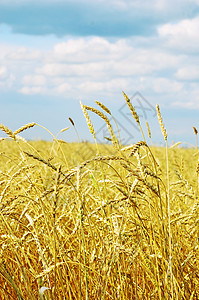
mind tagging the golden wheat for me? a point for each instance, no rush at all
(104, 117)
(164, 133)
(148, 128)
(132, 109)
(97, 228)
(29, 125)
(103, 107)
(7, 131)
(89, 123)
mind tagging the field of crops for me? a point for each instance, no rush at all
(85, 221)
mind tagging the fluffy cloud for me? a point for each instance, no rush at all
(6, 78)
(34, 80)
(3, 73)
(98, 58)
(27, 90)
(93, 49)
(95, 66)
(24, 54)
(188, 73)
(165, 85)
(182, 36)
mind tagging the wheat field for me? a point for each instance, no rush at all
(116, 222)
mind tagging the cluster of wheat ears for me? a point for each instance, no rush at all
(119, 226)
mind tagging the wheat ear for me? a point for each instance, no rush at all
(29, 125)
(88, 120)
(103, 107)
(195, 130)
(133, 112)
(72, 122)
(99, 113)
(148, 128)
(109, 112)
(134, 147)
(104, 117)
(164, 133)
(132, 109)
(41, 160)
(7, 131)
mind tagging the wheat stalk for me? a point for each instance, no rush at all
(72, 122)
(170, 259)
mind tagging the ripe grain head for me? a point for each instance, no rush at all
(88, 120)
(164, 133)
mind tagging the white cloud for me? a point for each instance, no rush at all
(3, 73)
(6, 78)
(183, 35)
(195, 1)
(63, 88)
(188, 73)
(92, 67)
(88, 50)
(114, 86)
(31, 90)
(185, 28)
(164, 85)
(34, 80)
(24, 54)
(99, 59)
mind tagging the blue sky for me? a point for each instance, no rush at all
(55, 53)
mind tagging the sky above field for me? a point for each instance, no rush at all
(54, 54)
